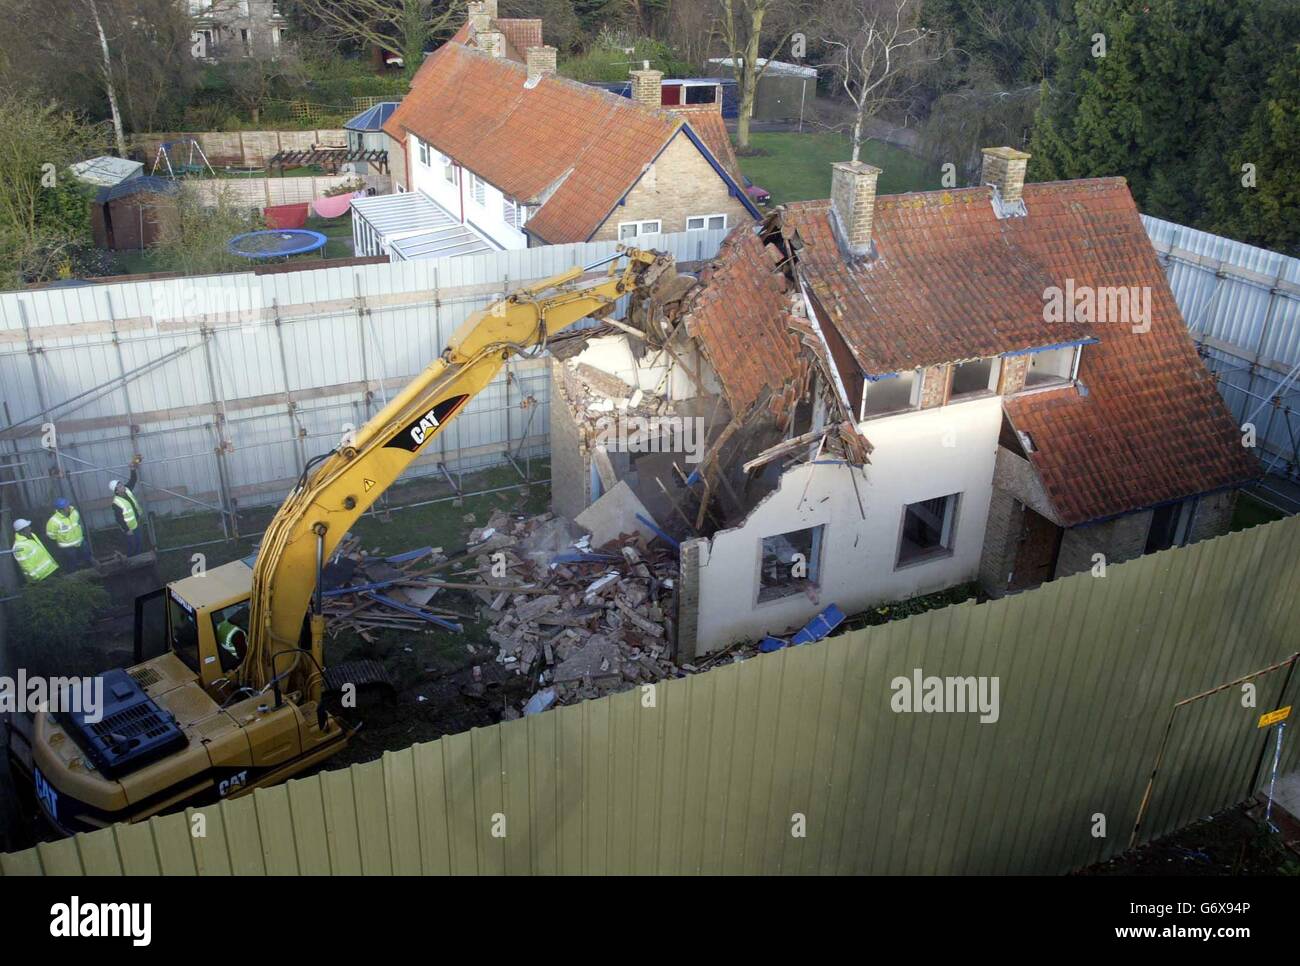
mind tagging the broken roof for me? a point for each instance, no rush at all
(568, 147)
(950, 281)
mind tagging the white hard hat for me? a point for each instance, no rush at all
(112, 486)
(21, 524)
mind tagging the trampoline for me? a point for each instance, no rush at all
(275, 243)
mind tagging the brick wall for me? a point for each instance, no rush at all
(1213, 515)
(570, 469)
(680, 184)
(934, 388)
(1012, 378)
(1121, 539)
(1001, 540)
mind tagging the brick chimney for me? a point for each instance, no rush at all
(853, 200)
(541, 63)
(1004, 169)
(491, 42)
(646, 84)
(479, 17)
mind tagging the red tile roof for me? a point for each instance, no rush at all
(592, 144)
(951, 281)
(741, 318)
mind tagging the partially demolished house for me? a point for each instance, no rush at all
(901, 394)
(491, 135)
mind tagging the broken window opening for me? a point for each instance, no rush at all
(979, 377)
(928, 529)
(790, 563)
(892, 394)
(1051, 367)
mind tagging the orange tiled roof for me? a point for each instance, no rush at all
(741, 317)
(574, 149)
(951, 281)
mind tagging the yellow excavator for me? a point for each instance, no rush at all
(238, 698)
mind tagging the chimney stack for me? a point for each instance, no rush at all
(541, 63)
(491, 41)
(1004, 169)
(479, 17)
(853, 200)
(646, 85)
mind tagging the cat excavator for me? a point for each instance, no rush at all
(238, 696)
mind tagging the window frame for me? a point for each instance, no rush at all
(477, 190)
(706, 219)
(991, 389)
(1069, 378)
(948, 529)
(913, 396)
(796, 586)
(424, 152)
(640, 228)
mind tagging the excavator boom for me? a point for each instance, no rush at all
(337, 488)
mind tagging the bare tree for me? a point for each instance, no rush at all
(254, 79)
(875, 47)
(109, 88)
(749, 27)
(402, 26)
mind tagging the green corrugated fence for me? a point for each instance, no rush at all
(796, 762)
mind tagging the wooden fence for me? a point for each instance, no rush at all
(240, 147)
(796, 761)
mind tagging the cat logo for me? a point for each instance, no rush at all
(368, 484)
(420, 430)
(233, 783)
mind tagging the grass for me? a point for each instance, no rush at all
(338, 244)
(797, 167)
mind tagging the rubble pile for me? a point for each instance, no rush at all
(581, 621)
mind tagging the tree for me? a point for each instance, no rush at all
(255, 79)
(749, 27)
(876, 47)
(405, 27)
(43, 211)
(194, 242)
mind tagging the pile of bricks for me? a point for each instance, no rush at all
(580, 622)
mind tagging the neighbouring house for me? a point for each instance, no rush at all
(225, 29)
(528, 158)
(365, 133)
(134, 215)
(901, 394)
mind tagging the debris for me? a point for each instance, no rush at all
(540, 701)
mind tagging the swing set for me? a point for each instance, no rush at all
(191, 165)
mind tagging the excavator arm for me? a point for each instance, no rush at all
(336, 488)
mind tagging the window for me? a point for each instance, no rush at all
(277, 36)
(184, 632)
(702, 222)
(449, 171)
(230, 631)
(243, 8)
(892, 394)
(631, 229)
(246, 38)
(790, 563)
(477, 189)
(974, 378)
(424, 152)
(509, 211)
(1051, 367)
(927, 529)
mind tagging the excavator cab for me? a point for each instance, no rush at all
(203, 621)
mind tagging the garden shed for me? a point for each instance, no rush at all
(133, 215)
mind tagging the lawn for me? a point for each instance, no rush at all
(796, 167)
(338, 244)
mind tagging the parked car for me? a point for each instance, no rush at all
(759, 196)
